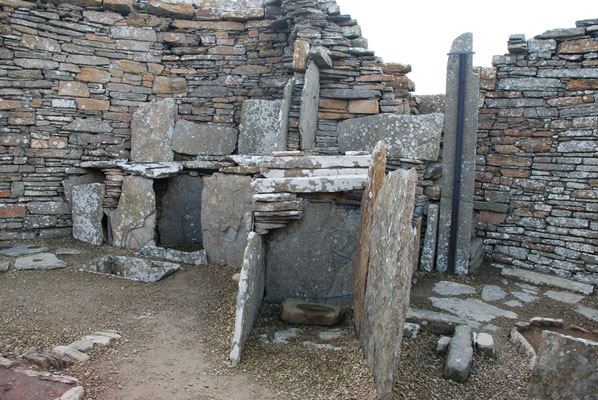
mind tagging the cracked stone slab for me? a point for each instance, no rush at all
(17, 250)
(87, 212)
(539, 279)
(493, 293)
(565, 297)
(39, 261)
(448, 288)
(471, 308)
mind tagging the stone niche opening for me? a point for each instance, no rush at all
(178, 206)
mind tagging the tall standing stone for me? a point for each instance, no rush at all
(262, 128)
(133, 221)
(251, 293)
(152, 128)
(389, 278)
(310, 98)
(180, 221)
(376, 174)
(429, 250)
(88, 212)
(226, 218)
(463, 44)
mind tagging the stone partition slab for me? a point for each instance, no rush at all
(152, 128)
(204, 139)
(261, 129)
(390, 268)
(414, 137)
(226, 218)
(251, 293)
(88, 213)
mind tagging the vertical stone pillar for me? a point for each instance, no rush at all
(461, 45)
(310, 101)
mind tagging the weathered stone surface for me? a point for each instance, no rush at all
(389, 278)
(203, 139)
(301, 312)
(565, 297)
(364, 107)
(350, 94)
(180, 221)
(300, 55)
(39, 261)
(539, 279)
(18, 250)
(310, 97)
(484, 344)
(152, 128)
(376, 174)
(76, 393)
(565, 368)
(133, 221)
(88, 212)
(493, 293)
(102, 17)
(73, 88)
(442, 345)
(429, 250)
(466, 179)
(261, 129)
(136, 269)
(172, 9)
(460, 353)
(69, 183)
(82, 345)
(4, 265)
(588, 312)
(71, 353)
(133, 33)
(226, 218)
(311, 257)
(89, 125)
(448, 288)
(314, 184)
(438, 323)
(100, 340)
(471, 308)
(306, 162)
(414, 137)
(251, 293)
(120, 6)
(321, 56)
(173, 255)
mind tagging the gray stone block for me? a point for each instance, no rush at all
(69, 183)
(39, 261)
(180, 221)
(415, 137)
(310, 98)
(204, 139)
(87, 213)
(460, 354)
(430, 238)
(152, 128)
(261, 129)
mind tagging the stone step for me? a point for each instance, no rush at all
(539, 279)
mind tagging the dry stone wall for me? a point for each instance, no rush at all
(536, 196)
(73, 73)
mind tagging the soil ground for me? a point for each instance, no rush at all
(177, 334)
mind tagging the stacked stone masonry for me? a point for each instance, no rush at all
(536, 196)
(72, 75)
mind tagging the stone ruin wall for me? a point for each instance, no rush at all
(536, 195)
(72, 75)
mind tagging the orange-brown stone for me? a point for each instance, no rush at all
(73, 88)
(92, 104)
(364, 106)
(12, 210)
(94, 75)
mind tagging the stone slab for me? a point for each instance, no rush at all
(18, 250)
(389, 278)
(310, 98)
(304, 162)
(204, 139)
(565, 368)
(39, 261)
(4, 265)
(468, 159)
(438, 323)
(539, 279)
(319, 184)
(524, 297)
(448, 288)
(493, 293)
(588, 312)
(69, 183)
(133, 268)
(429, 249)
(415, 137)
(226, 218)
(301, 312)
(460, 355)
(133, 221)
(152, 129)
(376, 174)
(471, 309)
(71, 353)
(261, 129)
(82, 345)
(180, 221)
(251, 293)
(87, 212)
(173, 255)
(564, 297)
(311, 258)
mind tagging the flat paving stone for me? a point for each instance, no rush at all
(437, 322)
(18, 250)
(39, 261)
(67, 251)
(493, 293)
(565, 297)
(527, 288)
(513, 303)
(588, 312)
(471, 308)
(539, 279)
(524, 297)
(448, 288)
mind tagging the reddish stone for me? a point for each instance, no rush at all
(12, 210)
(5, 193)
(364, 106)
(583, 84)
(503, 160)
(92, 104)
(89, 74)
(9, 104)
(578, 46)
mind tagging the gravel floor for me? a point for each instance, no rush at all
(176, 339)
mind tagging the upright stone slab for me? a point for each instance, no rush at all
(251, 293)
(69, 183)
(415, 137)
(429, 250)
(133, 221)
(389, 278)
(262, 127)
(311, 258)
(87, 212)
(204, 139)
(566, 368)
(310, 99)
(376, 174)
(152, 128)
(463, 43)
(180, 222)
(226, 218)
